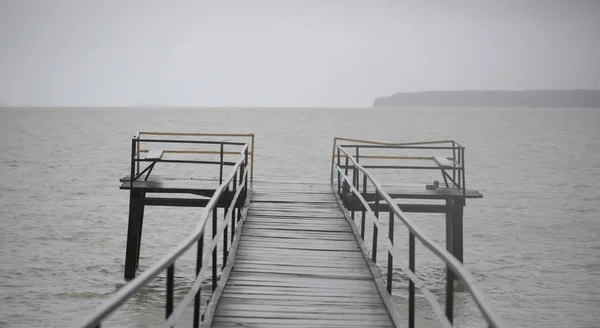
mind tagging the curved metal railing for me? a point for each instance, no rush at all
(239, 179)
(454, 269)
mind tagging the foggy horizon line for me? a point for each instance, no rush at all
(142, 104)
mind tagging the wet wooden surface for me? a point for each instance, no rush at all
(299, 265)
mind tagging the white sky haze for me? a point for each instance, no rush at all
(288, 53)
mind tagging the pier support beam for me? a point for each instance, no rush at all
(454, 228)
(134, 233)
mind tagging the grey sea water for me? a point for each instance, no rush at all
(532, 242)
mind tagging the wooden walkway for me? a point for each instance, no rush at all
(298, 264)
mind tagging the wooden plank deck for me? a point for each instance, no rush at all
(298, 264)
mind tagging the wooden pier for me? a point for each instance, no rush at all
(294, 253)
(299, 264)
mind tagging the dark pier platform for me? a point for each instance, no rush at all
(295, 254)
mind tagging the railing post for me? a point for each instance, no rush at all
(235, 207)
(364, 212)
(355, 184)
(221, 166)
(170, 286)
(225, 238)
(198, 268)
(462, 167)
(464, 181)
(243, 192)
(214, 254)
(339, 175)
(133, 162)
(375, 229)
(454, 159)
(245, 169)
(345, 189)
(390, 265)
(411, 284)
(252, 162)
(137, 152)
(449, 294)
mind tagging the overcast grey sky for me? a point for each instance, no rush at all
(287, 53)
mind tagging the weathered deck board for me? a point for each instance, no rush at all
(298, 264)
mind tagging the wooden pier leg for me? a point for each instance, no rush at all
(141, 220)
(136, 210)
(454, 229)
(457, 230)
(449, 247)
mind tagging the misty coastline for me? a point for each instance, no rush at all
(489, 98)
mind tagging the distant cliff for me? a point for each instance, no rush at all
(532, 98)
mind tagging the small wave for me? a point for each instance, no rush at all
(585, 210)
(591, 199)
(581, 186)
(82, 295)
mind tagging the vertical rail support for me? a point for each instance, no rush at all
(221, 166)
(390, 264)
(225, 237)
(214, 253)
(411, 284)
(339, 175)
(199, 255)
(454, 160)
(464, 181)
(355, 182)
(246, 168)
(242, 193)
(252, 162)
(375, 229)
(137, 153)
(357, 161)
(134, 160)
(170, 287)
(346, 188)
(134, 233)
(449, 294)
(364, 212)
(235, 207)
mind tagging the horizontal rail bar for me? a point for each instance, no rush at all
(393, 157)
(192, 142)
(401, 147)
(407, 167)
(203, 152)
(182, 161)
(395, 143)
(185, 134)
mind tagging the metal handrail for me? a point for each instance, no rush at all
(453, 265)
(167, 261)
(453, 176)
(193, 134)
(371, 142)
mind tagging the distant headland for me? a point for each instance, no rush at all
(489, 98)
